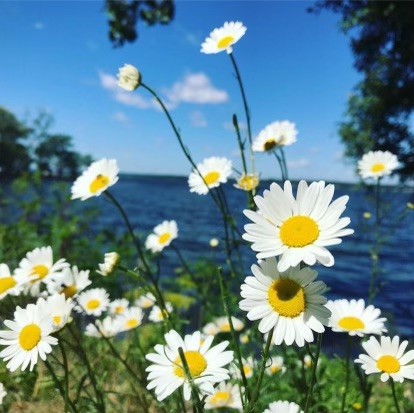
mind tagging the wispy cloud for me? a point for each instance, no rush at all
(298, 164)
(197, 119)
(120, 117)
(39, 26)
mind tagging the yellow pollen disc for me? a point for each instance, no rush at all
(132, 323)
(69, 291)
(225, 42)
(93, 304)
(164, 238)
(351, 324)
(6, 283)
(248, 182)
(195, 361)
(212, 177)
(299, 231)
(99, 183)
(119, 310)
(247, 370)
(270, 144)
(378, 167)
(388, 364)
(221, 398)
(275, 369)
(29, 337)
(287, 298)
(40, 271)
(57, 319)
(225, 328)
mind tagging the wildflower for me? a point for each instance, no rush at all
(214, 242)
(291, 303)
(214, 171)
(367, 215)
(28, 338)
(110, 262)
(3, 393)
(283, 407)
(277, 366)
(247, 182)
(118, 306)
(244, 338)
(387, 357)
(93, 302)
(205, 364)
(108, 327)
(211, 329)
(59, 309)
(307, 361)
(223, 38)
(130, 318)
(410, 205)
(96, 179)
(357, 406)
(70, 282)
(9, 284)
(297, 229)
(275, 135)
(162, 236)
(129, 78)
(38, 265)
(145, 301)
(224, 326)
(248, 365)
(376, 164)
(157, 315)
(225, 395)
(353, 318)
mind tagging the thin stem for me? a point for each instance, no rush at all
(182, 260)
(280, 161)
(284, 163)
(65, 366)
(394, 395)
(313, 374)
(347, 372)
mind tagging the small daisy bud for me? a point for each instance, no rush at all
(214, 242)
(129, 78)
(357, 407)
(111, 261)
(367, 215)
(410, 205)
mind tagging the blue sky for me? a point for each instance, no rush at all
(296, 66)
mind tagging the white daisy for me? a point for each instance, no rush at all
(249, 366)
(38, 265)
(145, 301)
(290, 302)
(244, 338)
(353, 318)
(214, 171)
(205, 364)
(376, 164)
(162, 236)
(157, 315)
(225, 395)
(28, 338)
(283, 407)
(297, 229)
(224, 326)
(276, 366)
(99, 176)
(247, 182)
(129, 77)
(59, 309)
(387, 357)
(11, 284)
(3, 393)
(275, 135)
(214, 242)
(130, 318)
(93, 302)
(223, 38)
(111, 261)
(70, 282)
(118, 306)
(108, 327)
(211, 329)
(307, 362)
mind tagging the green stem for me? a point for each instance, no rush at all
(284, 163)
(394, 395)
(313, 374)
(282, 169)
(347, 372)
(65, 366)
(182, 260)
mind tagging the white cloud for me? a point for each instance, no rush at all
(298, 164)
(197, 119)
(39, 26)
(120, 117)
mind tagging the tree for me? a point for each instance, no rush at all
(381, 107)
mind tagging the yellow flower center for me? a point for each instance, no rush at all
(69, 291)
(29, 336)
(299, 231)
(93, 304)
(221, 398)
(248, 182)
(225, 42)
(119, 309)
(378, 167)
(247, 370)
(287, 298)
(225, 328)
(270, 144)
(211, 178)
(351, 324)
(132, 323)
(99, 183)
(388, 364)
(275, 369)
(57, 319)
(164, 238)
(6, 283)
(195, 361)
(41, 271)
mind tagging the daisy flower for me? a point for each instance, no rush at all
(211, 329)
(145, 301)
(111, 261)
(96, 179)
(244, 338)
(59, 309)
(205, 364)
(70, 282)
(28, 338)
(297, 229)
(3, 393)
(130, 318)
(249, 365)
(247, 182)
(276, 366)
(157, 315)
(291, 303)
(38, 265)
(225, 395)
(307, 361)
(387, 358)
(9, 284)
(118, 306)
(275, 135)
(214, 242)
(93, 302)
(283, 407)
(129, 77)
(223, 38)
(214, 171)
(108, 327)
(353, 318)
(224, 326)
(162, 236)
(376, 164)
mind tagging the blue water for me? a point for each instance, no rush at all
(149, 200)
